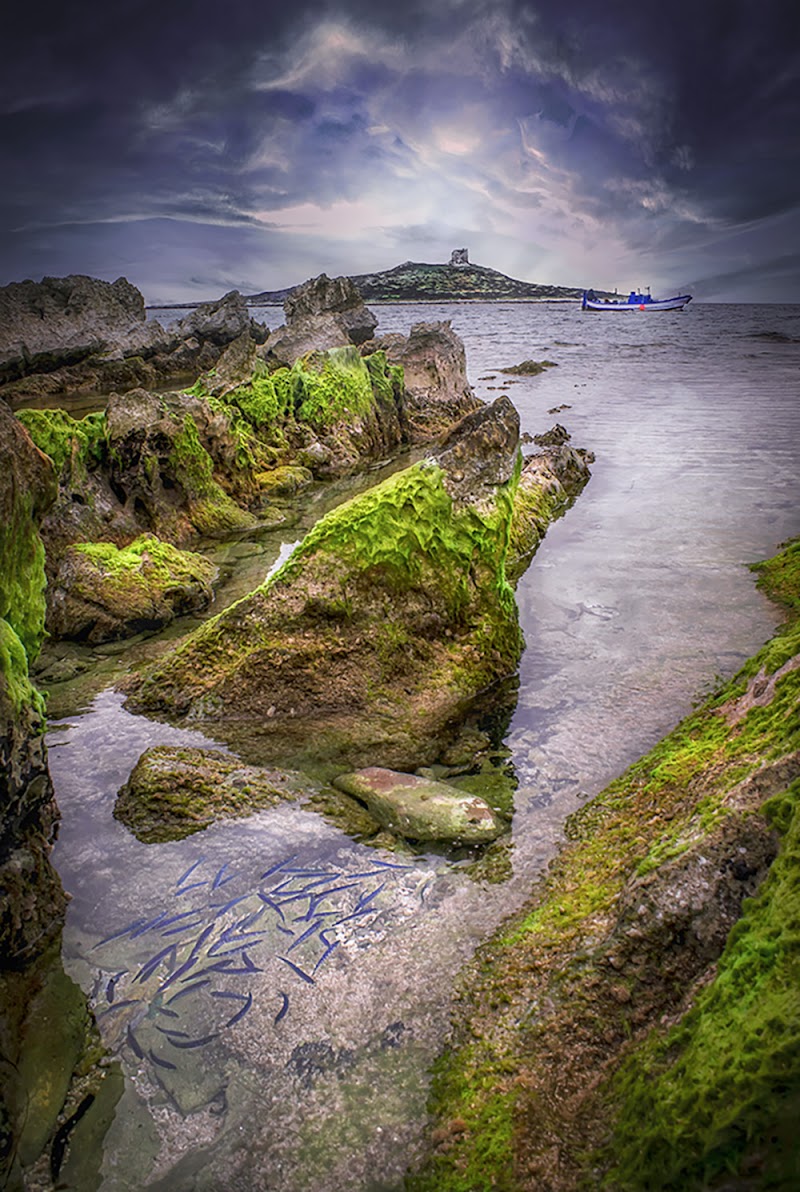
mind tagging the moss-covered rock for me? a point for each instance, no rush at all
(173, 791)
(31, 899)
(636, 1025)
(528, 368)
(386, 622)
(104, 592)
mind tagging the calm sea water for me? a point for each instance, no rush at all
(304, 1064)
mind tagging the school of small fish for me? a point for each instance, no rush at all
(205, 952)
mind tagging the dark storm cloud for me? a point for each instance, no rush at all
(558, 135)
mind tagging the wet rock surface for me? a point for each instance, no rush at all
(173, 792)
(387, 621)
(422, 808)
(103, 592)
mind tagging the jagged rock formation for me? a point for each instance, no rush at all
(384, 625)
(434, 363)
(76, 333)
(320, 314)
(44, 1026)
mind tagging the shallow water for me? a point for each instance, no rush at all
(637, 601)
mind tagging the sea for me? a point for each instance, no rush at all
(274, 992)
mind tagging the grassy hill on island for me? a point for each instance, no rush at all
(415, 281)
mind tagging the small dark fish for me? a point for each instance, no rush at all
(358, 913)
(365, 898)
(119, 934)
(217, 880)
(278, 865)
(270, 903)
(134, 1042)
(309, 931)
(285, 930)
(112, 984)
(186, 889)
(252, 918)
(222, 966)
(194, 1042)
(131, 1001)
(249, 966)
(325, 954)
(176, 918)
(188, 989)
(201, 939)
(148, 925)
(221, 908)
(183, 927)
(241, 1013)
(189, 871)
(179, 972)
(160, 1062)
(390, 864)
(152, 964)
(164, 1010)
(310, 873)
(171, 1033)
(284, 1007)
(304, 976)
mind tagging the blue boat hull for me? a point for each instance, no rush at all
(639, 302)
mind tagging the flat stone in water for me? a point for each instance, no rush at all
(422, 808)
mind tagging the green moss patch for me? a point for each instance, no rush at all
(77, 441)
(14, 670)
(725, 1083)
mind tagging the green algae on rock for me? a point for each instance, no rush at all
(637, 1024)
(422, 808)
(103, 592)
(389, 618)
(175, 791)
(528, 368)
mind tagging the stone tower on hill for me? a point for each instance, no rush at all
(459, 256)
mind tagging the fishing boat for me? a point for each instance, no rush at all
(634, 301)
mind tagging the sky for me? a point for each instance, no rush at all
(211, 145)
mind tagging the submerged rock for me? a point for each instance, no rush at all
(422, 808)
(387, 621)
(103, 592)
(175, 791)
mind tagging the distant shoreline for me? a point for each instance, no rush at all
(381, 302)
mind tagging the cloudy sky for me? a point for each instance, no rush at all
(217, 144)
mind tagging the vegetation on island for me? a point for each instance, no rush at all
(637, 1024)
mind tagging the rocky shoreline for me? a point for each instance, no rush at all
(359, 665)
(637, 1023)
